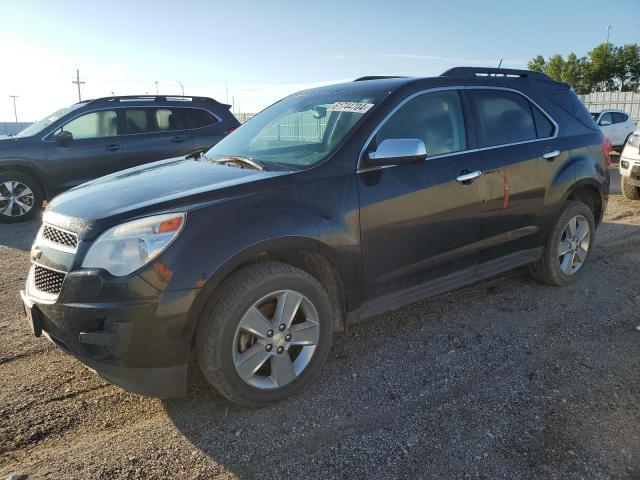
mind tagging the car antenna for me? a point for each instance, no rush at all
(500, 64)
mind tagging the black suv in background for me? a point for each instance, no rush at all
(97, 137)
(331, 206)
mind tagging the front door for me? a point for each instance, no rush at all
(418, 222)
(94, 151)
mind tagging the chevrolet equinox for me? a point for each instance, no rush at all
(333, 205)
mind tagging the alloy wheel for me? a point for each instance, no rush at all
(276, 339)
(574, 245)
(16, 199)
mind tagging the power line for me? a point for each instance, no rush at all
(15, 112)
(78, 83)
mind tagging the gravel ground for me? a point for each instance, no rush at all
(504, 379)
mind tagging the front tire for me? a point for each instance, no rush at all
(629, 191)
(568, 247)
(265, 334)
(21, 197)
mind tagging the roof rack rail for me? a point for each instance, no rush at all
(377, 77)
(153, 98)
(493, 72)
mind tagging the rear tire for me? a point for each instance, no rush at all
(21, 197)
(629, 191)
(250, 358)
(567, 249)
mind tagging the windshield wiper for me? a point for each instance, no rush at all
(240, 161)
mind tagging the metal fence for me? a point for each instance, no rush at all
(627, 101)
(243, 117)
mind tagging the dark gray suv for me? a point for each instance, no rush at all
(94, 138)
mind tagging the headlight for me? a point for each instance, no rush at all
(125, 248)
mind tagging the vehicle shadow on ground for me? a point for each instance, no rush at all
(19, 236)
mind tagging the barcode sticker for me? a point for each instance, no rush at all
(353, 107)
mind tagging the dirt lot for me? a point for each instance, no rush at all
(504, 379)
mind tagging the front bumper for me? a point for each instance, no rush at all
(139, 344)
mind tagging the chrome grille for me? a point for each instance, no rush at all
(60, 237)
(48, 281)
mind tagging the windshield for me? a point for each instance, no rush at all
(298, 131)
(48, 120)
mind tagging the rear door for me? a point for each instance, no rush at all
(96, 149)
(154, 133)
(418, 223)
(513, 135)
(207, 129)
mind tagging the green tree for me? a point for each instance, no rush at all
(537, 64)
(627, 67)
(600, 69)
(606, 67)
(554, 67)
(573, 73)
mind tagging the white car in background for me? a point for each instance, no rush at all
(630, 167)
(616, 125)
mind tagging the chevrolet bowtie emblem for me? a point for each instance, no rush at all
(35, 253)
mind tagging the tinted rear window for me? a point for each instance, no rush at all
(136, 121)
(502, 117)
(196, 118)
(619, 117)
(570, 103)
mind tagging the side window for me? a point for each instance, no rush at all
(196, 118)
(606, 119)
(619, 117)
(502, 117)
(544, 127)
(166, 120)
(103, 123)
(136, 121)
(436, 118)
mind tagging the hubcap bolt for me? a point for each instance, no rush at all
(282, 327)
(270, 333)
(280, 349)
(288, 337)
(269, 347)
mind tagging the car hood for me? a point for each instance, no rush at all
(166, 185)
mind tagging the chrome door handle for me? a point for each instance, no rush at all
(551, 155)
(467, 177)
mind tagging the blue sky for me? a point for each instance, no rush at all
(263, 50)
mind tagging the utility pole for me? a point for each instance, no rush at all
(608, 29)
(181, 86)
(156, 87)
(15, 112)
(78, 83)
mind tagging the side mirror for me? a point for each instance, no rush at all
(604, 123)
(394, 151)
(64, 138)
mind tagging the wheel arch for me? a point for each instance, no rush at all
(31, 170)
(309, 255)
(588, 192)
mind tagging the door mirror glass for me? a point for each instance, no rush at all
(604, 122)
(393, 151)
(64, 138)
